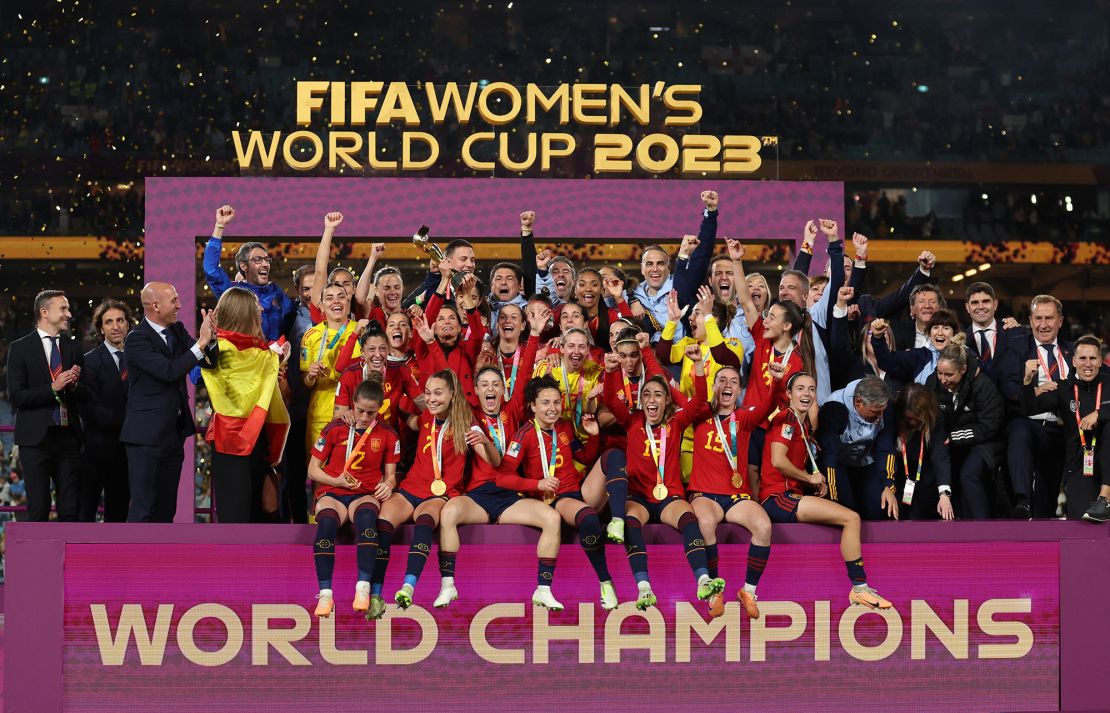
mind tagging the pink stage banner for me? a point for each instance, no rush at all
(221, 627)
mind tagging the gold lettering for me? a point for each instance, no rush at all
(263, 637)
(654, 642)
(364, 96)
(670, 153)
(309, 99)
(640, 110)
(333, 654)
(407, 162)
(451, 96)
(256, 143)
(870, 653)
(478, 640)
(397, 105)
(534, 97)
(922, 618)
(549, 151)
(582, 632)
(488, 114)
(317, 153)
(471, 162)
(611, 153)
(692, 107)
(113, 649)
(583, 103)
(337, 151)
(688, 620)
(220, 656)
(1023, 635)
(762, 633)
(384, 653)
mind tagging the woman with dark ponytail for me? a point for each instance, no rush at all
(918, 472)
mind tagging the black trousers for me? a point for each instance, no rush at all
(237, 485)
(1036, 459)
(105, 472)
(56, 459)
(294, 496)
(972, 476)
(154, 472)
(925, 498)
(860, 489)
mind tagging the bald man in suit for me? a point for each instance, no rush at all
(160, 353)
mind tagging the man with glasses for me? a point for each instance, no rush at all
(254, 264)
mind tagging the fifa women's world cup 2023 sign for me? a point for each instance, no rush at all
(355, 111)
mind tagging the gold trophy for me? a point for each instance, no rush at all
(420, 240)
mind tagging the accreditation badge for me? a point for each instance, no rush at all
(1089, 462)
(907, 492)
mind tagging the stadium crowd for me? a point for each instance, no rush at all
(546, 393)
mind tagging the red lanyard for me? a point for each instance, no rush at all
(1082, 433)
(920, 456)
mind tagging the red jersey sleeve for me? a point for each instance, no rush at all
(348, 383)
(519, 452)
(609, 398)
(346, 357)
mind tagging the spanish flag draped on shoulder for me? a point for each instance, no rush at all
(245, 398)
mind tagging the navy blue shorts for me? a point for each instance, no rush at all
(417, 502)
(494, 500)
(782, 507)
(655, 509)
(346, 498)
(725, 501)
(755, 447)
(572, 495)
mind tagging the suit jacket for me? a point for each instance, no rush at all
(103, 411)
(158, 411)
(1013, 369)
(905, 334)
(1008, 341)
(29, 387)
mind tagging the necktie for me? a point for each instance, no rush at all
(122, 366)
(1053, 366)
(55, 372)
(984, 345)
(169, 338)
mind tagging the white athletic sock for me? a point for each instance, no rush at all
(703, 579)
(446, 582)
(749, 588)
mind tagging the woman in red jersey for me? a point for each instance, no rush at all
(790, 467)
(718, 490)
(654, 474)
(354, 468)
(486, 501)
(547, 458)
(400, 392)
(437, 472)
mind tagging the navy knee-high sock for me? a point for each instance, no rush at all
(589, 534)
(323, 547)
(695, 545)
(447, 563)
(366, 518)
(545, 571)
(381, 562)
(855, 572)
(635, 548)
(421, 547)
(616, 482)
(712, 559)
(757, 562)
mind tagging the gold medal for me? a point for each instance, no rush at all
(737, 481)
(659, 492)
(438, 487)
(548, 498)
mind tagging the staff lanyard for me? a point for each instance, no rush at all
(920, 457)
(1059, 363)
(324, 345)
(1082, 433)
(633, 405)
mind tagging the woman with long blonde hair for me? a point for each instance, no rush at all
(249, 421)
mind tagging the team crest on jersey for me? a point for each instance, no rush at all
(787, 431)
(514, 448)
(321, 442)
(376, 445)
(564, 439)
(1072, 406)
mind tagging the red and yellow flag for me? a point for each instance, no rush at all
(245, 398)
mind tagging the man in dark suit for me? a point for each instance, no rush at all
(44, 369)
(105, 375)
(991, 339)
(1036, 441)
(924, 301)
(159, 418)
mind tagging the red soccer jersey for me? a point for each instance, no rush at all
(419, 479)
(641, 465)
(760, 382)
(398, 383)
(382, 447)
(712, 472)
(499, 430)
(785, 429)
(522, 466)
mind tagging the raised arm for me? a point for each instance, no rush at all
(694, 253)
(214, 275)
(891, 304)
(804, 257)
(323, 252)
(528, 252)
(364, 290)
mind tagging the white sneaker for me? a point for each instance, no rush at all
(615, 530)
(542, 597)
(447, 594)
(609, 599)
